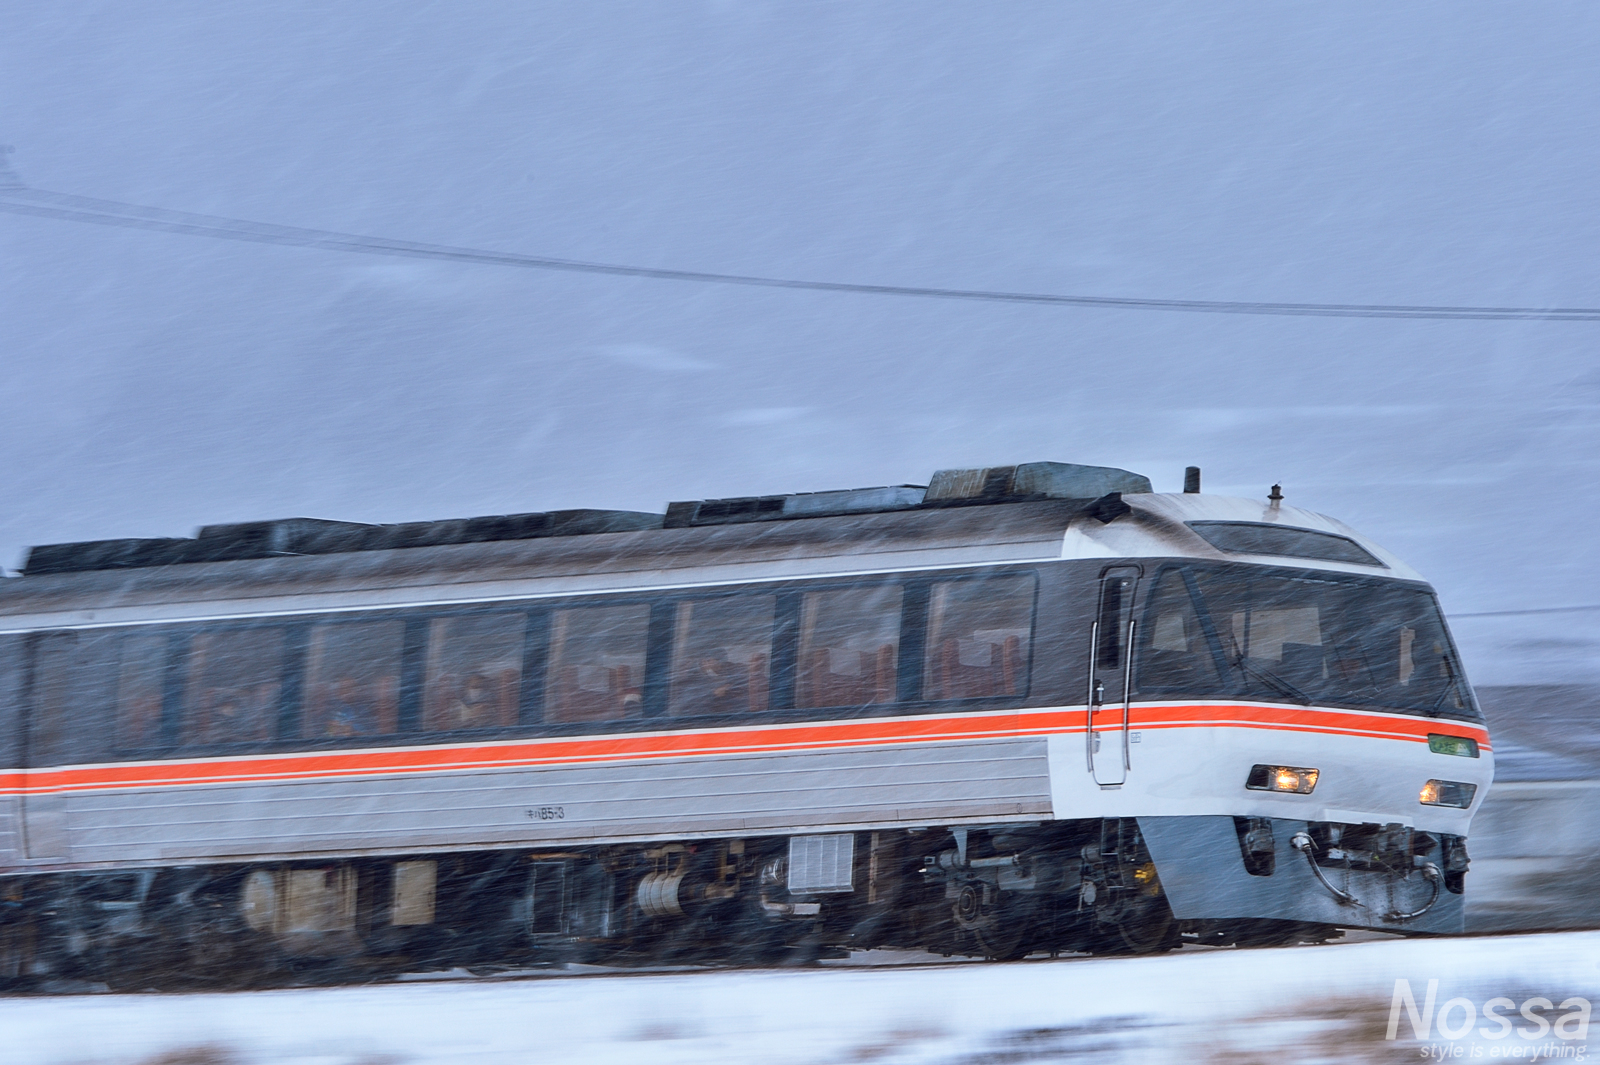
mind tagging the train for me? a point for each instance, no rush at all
(1022, 709)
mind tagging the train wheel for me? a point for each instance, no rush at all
(1013, 933)
(1140, 923)
(1151, 931)
(1002, 925)
(16, 942)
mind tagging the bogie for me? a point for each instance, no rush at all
(999, 893)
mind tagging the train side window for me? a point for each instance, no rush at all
(474, 671)
(1174, 653)
(353, 678)
(55, 666)
(849, 646)
(722, 653)
(13, 665)
(596, 670)
(141, 689)
(235, 681)
(979, 632)
(1116, 606)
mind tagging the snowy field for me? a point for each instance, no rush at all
(1308, 1004)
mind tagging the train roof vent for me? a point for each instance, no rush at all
(269, 539)
(1032, 480)
(509, 527)
(101, 554)
(798, 505)
(315, 536)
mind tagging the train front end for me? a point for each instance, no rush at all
(1276, 703)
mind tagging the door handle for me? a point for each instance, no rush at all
(1127, 698)
(1096, 690)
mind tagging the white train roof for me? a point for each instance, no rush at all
(1159, 525)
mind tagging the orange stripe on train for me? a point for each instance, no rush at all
(867, 732)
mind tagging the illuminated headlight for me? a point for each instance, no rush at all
(1281, 778)
(1461, 746)
(1448, 793)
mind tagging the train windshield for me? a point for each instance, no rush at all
(1323, 639)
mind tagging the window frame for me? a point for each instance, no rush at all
(1232, 687)
(906, 609)
(301, 713)
(735, 595)
(291, 681)
(537, 699)
(924, 664)
(292, 701)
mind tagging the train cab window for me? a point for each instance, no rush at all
(474, 671)
(141, 688)
(1173, 654)
(978, 638)
(235, 680)
(849, 646)
(596, 665)
(1261, 538)
(1290, 637)
(1333, 639)
(352, 683)
(722, 651)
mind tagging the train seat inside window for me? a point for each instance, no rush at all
(353, 678)
(722, 649)
(1302, 664)
(474, 671)
(978, 638)
(596, 669)
(235, 679)
(849, 646)
(141, 688)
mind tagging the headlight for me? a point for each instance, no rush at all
(1281, 778)
(1448, 793)
(1461, 746)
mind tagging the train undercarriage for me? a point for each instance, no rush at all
(997, 892)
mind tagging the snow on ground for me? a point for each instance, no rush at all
(1307, 1004)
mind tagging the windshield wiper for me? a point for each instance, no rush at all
(1273, 681)
(1449, 686)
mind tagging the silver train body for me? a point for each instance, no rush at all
(1027, 708)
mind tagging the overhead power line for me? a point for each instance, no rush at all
(16, 198)
(1533, 610)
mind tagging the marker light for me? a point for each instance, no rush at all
(1448, 793)
(1281, 778)
(1461, 746)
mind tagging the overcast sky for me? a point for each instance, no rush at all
(1374, 153)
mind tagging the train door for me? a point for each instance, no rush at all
(11, 648)
(1110, 676)
(54, 666)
